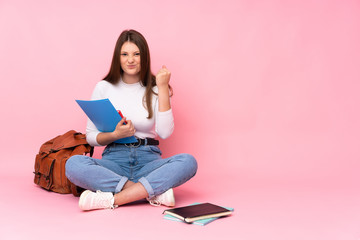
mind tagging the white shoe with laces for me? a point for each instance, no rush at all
(167, 199)
(96, 200)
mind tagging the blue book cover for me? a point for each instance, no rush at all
(104, 116)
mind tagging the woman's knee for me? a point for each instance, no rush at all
(73, 164)
(190, 162)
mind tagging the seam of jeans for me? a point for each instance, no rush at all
(121, 184)
(147, 186)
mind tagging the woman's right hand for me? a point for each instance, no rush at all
(124, 130)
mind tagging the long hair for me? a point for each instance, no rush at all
(147, 78)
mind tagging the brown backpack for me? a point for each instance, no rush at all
(50, 161)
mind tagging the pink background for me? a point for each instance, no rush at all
(266, 98)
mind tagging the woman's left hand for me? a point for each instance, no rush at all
(163, 77)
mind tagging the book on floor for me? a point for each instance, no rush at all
(201, 213)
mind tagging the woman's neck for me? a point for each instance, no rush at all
(129, 79)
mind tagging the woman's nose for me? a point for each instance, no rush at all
(130, 59)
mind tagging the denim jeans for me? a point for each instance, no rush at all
(121, 163)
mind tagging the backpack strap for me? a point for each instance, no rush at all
(69, 140)
(83, 148)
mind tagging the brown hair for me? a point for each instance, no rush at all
(147, 79)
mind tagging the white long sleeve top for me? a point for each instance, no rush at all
(128, 98)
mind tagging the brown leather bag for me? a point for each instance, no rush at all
(50, 161)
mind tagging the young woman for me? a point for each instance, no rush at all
(130, 172)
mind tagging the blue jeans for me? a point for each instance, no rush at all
(121, 163)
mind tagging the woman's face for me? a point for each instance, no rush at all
(130, 59)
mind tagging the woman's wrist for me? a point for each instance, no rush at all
(114, 135)
(164, 98)
(104, 138)
(163, 88)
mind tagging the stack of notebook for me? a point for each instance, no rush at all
(197, 213)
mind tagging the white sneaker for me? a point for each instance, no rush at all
(96, 200)
(167, 198)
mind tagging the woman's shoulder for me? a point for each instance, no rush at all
(101, 88)
(103, 84)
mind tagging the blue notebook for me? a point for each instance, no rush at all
(104, 115)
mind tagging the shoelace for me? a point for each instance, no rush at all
(103, 201)
(154, 202)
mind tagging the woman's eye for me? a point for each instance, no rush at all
(123, 54)
(137, 54)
